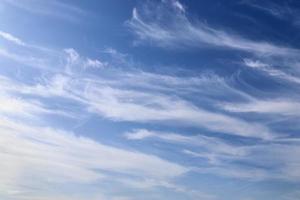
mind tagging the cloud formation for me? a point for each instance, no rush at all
(103, 127)
(11, 38)
(167, 25)
(55, 9)
(225, 159)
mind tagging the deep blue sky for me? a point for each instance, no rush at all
(154, 100)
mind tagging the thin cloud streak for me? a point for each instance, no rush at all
(11, 38)
(116, 102)
(180, 31)
(54, 9)
(267, 68)
(212, 144)
(142, 98)
(223, 158)
(279, 106)
(67, 158)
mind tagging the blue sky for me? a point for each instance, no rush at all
(152, 100)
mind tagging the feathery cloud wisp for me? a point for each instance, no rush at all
(11, 38)
(167, 25)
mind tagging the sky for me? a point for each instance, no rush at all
(152, 100)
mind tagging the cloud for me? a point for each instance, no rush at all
(152, 107)
(52, 146)
(118, 104)
(31, 61)
(276, 10)
(11, 38)
(110, 99)
(279, 106)
(140, 134)
(33, 57)
(211, 144)
(45, 156)
(285, 11)
(94, 63)
(76, 62)
(178, 5)
(53, 157)
(27, 109)
(165, 24)
(55, 9)
(267, 68)
(262, 161)
(73, 56)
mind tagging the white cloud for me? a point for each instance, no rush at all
(149, 24)
(107, 99)
(111, 100)
(11, 38)
(223, 158)
(261, 162)
(26, 108)
(211, 144)
(76, 62)
(158, 98)
(279, 10)
(120, 104)
(73, 56)
(35, 156)
(55, 9)
(94, 63)
(178, 5)
(26, 60)
(53, 146)
(256, 64)
(274, 106)
(52, 156)
(139, 134)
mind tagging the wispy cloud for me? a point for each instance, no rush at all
(211, 144)
(267, 68)
(20, 108)
(118, 104)
(277, 106)
(53, 146)
(157, 107)
(75, 60)
(219, 157)
(260, 162)
(281, 11)
(55, 9)
(113, 101)
(27, 60)
(45, 156)
(11, 38)
(94, 63)
(165, 24)
(54, 156)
